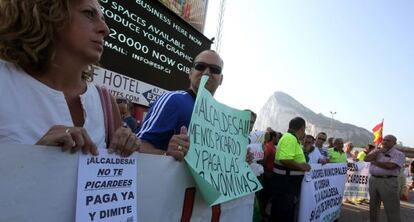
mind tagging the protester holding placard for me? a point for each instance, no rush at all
(290, 165)
(47, 49)
(171, 113)
(386, 163)
(319, 141)
(337, 154)
(348, 150)
(164, 130)
(312, 155)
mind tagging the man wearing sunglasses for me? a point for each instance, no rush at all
(164, 130)
(320, 140)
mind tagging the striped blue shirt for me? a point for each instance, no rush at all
(166, 116)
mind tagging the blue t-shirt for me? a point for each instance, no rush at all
(166, 117)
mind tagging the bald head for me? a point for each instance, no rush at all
(389, 141)
(210, 52)
(209, 63)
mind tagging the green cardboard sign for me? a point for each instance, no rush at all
(218, 145)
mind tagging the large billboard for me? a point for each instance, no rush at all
(147, 43)
(192, 11)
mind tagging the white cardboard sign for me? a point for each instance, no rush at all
(107, 186)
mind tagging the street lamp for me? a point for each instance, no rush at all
(332, 117)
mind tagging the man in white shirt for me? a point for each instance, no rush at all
(312, 155)
(348, 149)
(319, 141)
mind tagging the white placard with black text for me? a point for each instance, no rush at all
(106, 189)
(321, 192)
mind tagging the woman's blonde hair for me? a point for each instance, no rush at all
(28, 32)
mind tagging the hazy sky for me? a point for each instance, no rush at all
(349, 56)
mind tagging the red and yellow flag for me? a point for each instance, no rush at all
(377, 130)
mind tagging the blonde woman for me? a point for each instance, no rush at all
(47, 49)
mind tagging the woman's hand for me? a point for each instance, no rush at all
(179, 145)
(69, 138)
(124, 142)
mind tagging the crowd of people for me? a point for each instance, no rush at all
(47, 53)
(287, 158)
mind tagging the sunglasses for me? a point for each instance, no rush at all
(201, 66)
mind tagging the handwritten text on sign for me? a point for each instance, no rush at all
(218, 144)
(106, 188)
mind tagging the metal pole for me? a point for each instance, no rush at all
(220, 25)
(332, 117)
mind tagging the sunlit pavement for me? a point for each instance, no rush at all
(360, 212)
